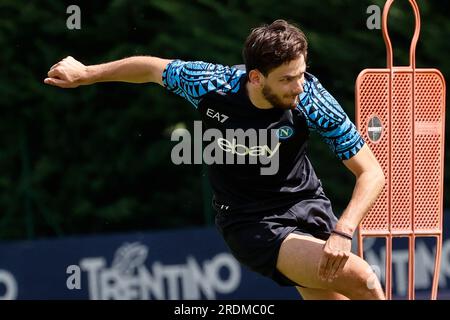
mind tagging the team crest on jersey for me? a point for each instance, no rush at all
(285, 132)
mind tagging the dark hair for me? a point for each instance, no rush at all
(269, 46)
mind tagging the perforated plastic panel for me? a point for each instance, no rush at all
(410, 149)
(373, 97)
(429, 150)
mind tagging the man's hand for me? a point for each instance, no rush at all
(68, 73)
(336, 252)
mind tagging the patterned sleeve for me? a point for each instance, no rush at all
(326, 117)
(193, 79)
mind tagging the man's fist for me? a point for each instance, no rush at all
(68, 73)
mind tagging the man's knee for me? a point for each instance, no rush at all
(363, 289)
(360, 282)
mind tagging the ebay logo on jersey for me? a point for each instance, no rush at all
(234, 146)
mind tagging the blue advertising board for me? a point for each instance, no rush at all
(175, 264)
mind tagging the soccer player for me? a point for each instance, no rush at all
(281, 224)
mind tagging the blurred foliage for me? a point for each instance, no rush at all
(97, 159)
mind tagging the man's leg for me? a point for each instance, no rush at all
(299, 259)
(320, 294)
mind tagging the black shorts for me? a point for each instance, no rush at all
(255, 239)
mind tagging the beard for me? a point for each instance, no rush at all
(280, 102)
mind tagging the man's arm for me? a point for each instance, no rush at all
(70, 73)
(370, 181)
(369, 184)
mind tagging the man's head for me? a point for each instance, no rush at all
(275, 56)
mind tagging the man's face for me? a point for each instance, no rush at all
(283, 84)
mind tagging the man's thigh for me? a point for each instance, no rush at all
(299, 259)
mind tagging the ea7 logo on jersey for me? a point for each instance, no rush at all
(216, 115)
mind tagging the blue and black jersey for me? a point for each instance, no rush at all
(219, 94)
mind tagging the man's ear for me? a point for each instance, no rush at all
(256, 78)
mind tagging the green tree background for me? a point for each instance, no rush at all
(97, 159)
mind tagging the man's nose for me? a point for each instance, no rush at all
(298, 87)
